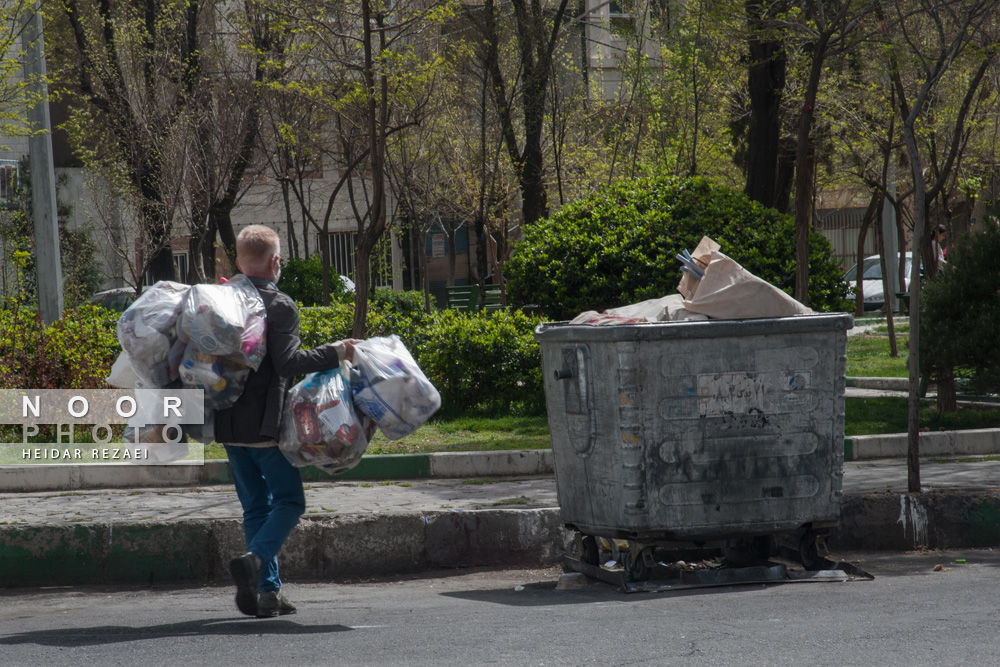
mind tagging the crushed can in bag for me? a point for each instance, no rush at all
(321, 427)
(389, 387)
(147, 332)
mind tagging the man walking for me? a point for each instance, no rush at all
(268, 486)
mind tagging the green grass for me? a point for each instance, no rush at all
(868, 356)
(874, 416)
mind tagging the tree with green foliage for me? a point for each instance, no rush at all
(960, 319)
(619, 246)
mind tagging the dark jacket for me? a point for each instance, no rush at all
(257, 415)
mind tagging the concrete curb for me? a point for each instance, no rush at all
(357, 546)
(63, 477)
(977, 442)
(338, 547)
(883, 384)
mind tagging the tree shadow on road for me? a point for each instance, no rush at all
(115, 634)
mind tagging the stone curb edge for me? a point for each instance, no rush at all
(328, 548)
(356, 546)
(62, 477)
(507, 463)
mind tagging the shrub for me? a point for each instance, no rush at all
(302, 279)
(76, 352)
(483, 361)
(401, 313)
(325, 324)
(619, 245)
(960, 315)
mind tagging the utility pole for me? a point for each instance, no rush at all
(48, 263)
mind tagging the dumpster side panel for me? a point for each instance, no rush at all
(694, 438)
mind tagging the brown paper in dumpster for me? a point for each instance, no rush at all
(728, 291)
(701, 255)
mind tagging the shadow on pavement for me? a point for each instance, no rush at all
(114, 634)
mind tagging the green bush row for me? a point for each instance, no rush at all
(76, 352)
(479, 361)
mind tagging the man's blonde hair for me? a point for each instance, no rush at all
(255, 245)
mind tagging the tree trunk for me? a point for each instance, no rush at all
(805, 161)
(947, 394)
(765, 84)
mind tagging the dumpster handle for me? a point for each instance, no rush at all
(564, 374)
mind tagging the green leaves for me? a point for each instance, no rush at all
(618, 246)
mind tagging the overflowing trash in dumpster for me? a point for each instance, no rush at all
(715, 415)
(713, 286)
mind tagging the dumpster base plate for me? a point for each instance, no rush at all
(765, 573)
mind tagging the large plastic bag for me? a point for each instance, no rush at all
(225, 321)
(389, 387)
(147, 331)
(320, 426)
(122, 374)
(221, 378)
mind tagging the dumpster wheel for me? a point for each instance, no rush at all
(638, 562)
(588, 550)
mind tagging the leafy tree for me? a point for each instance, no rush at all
(960, 317)
(619, 246)
(132, 70)
(924, 41)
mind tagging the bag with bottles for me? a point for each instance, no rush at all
(390, 388)
(225, 321)
(321, 427)
(147, 332)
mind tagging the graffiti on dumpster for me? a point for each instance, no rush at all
(721, 394)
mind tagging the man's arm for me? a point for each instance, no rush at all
(283, 344)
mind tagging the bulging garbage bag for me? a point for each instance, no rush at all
(147, 331)
(389, 387)
(321, 427)
(226, 321)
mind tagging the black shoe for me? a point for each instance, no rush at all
(246, 573)
(273, 603)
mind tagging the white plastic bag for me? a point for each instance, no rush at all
(389, 387)
(122, 375)
(225, 321)
(147, 331)
(320, 426)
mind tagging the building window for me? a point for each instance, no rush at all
(343, 257)
(10, 183)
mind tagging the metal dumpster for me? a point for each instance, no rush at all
(698, 431)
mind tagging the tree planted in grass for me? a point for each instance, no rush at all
(960, 319)
(618, 246)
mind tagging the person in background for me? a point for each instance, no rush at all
(938, 245)
(268, 486)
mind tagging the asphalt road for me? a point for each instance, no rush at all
(909, 615)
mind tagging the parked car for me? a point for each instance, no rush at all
(118, 298)
(871, 276)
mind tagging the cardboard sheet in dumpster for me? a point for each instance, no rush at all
(717, 288)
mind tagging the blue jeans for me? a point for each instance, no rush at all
(270, 491)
